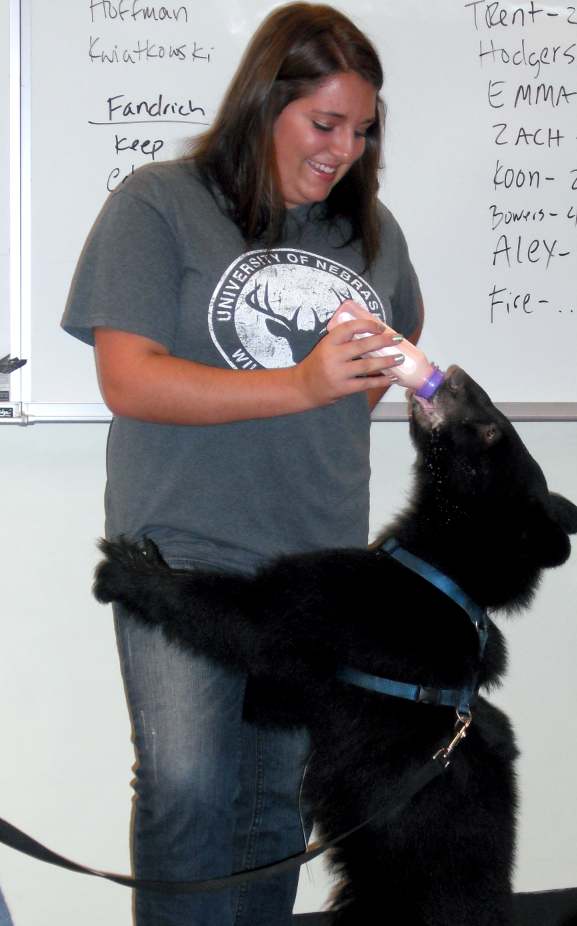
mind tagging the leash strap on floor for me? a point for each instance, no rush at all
(14, 838)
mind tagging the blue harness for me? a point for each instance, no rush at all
(461, 698)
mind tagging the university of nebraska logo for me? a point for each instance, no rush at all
(269, 310)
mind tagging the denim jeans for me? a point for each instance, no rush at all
(5, 918)
(214, 794)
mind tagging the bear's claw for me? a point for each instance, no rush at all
(124, 563)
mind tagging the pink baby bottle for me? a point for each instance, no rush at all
(415, 371)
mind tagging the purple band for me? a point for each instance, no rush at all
(432, 384)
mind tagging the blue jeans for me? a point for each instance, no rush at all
(214, 794)
(5, 918)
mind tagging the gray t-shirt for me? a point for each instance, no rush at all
(164, 261)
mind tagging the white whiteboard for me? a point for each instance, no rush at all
(486, 210)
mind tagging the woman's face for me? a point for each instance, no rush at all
(318, 137)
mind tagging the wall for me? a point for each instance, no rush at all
(66, 754)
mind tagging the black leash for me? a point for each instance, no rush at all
(14, 838)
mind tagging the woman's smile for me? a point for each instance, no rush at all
(328, 171)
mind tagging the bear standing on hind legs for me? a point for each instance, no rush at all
(481, 516)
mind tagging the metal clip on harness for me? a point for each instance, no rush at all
(463, 723)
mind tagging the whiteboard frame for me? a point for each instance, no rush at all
(21, 409)
(514, 411)
(28, 413)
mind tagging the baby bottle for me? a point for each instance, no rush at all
(415, 371)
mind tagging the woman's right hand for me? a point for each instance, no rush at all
(334, 368)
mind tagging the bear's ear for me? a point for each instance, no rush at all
(563, 512)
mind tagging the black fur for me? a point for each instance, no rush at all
(481, 512)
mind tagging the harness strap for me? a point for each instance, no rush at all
(14, 838)
(477, 614)
(461, 698)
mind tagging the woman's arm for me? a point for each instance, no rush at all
(140, 378)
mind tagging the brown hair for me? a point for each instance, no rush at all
(296, 49)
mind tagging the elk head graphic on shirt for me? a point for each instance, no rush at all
(270, 309)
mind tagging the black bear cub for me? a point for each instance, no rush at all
(481, 515)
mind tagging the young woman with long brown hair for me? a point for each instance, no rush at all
(241, 428)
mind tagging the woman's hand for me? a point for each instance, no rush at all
(334, 368)
(375, 395)
(139, 378)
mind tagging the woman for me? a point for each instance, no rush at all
(240, 431)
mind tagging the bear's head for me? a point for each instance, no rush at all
(481, 509)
